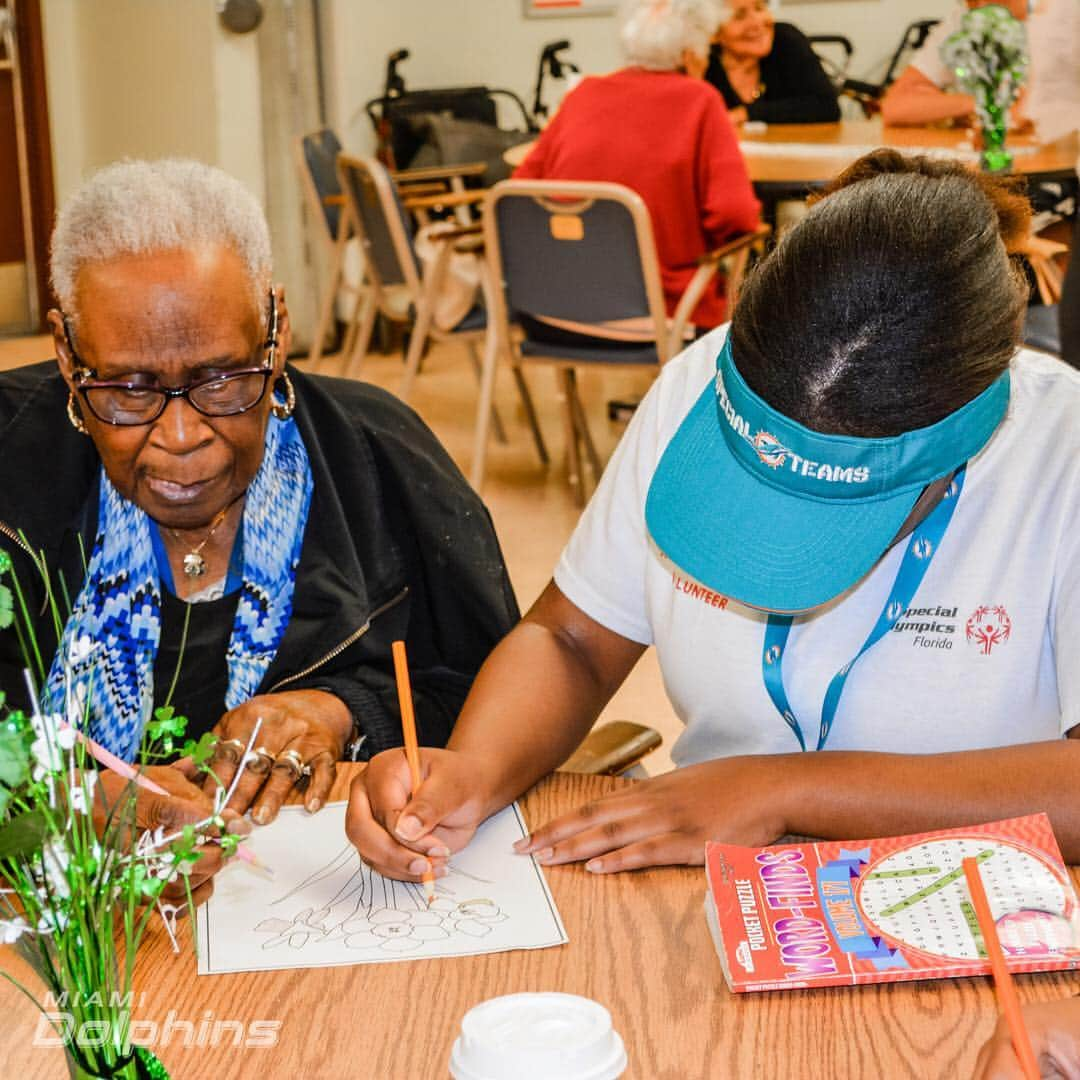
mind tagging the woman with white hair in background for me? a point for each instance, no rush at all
(234, 536)
(768, 71)
(658, 128)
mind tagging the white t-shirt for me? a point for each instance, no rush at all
(987, 655)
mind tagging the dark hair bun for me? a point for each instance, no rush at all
(1006, 194)
(892, 303)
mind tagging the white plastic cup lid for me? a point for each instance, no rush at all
(538, 1037)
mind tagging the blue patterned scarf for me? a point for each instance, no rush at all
(119, 607)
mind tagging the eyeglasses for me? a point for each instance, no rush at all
(123, 403)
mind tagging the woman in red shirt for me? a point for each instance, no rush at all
(658, 128)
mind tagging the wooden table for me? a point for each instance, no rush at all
(638, 944)
(807, 155)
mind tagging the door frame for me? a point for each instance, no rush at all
(30, 45)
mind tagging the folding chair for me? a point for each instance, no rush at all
(403, 291)
(576, 265)
(316, 155)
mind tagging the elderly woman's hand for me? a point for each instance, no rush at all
(184, 803)
(303, 733)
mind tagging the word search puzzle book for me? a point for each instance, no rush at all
(890, 910)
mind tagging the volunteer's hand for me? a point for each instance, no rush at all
(403, 834)
(667, 820)
(303, 733)
(185, 804)
(1054, 1027)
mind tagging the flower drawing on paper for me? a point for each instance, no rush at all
(477, 917)
(398, 922)
(394, 931)
(295, 933)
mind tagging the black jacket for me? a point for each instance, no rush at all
(797, 90)
(397, 545)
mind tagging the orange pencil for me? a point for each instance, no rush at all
(408, 727)
(1003, 983)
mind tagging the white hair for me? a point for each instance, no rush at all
(655, 33)
(139, 207)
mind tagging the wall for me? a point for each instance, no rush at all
(149, 78)
(873, 26)
(454, 42)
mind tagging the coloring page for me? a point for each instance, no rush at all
(324, 906)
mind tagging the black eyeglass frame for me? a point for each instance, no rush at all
(86, 381)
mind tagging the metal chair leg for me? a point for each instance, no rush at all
(361, 328)
(530, 413)
(573, 451)
(332, 287)
(484, 408)
(582, 425)
(496, 421)
(418, 339)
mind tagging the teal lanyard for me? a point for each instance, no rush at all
(920, 551)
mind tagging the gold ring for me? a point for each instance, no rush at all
(230, 749)
(260, 761)
(291, 760)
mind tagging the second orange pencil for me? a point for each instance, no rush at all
(1003, 981)
(408, 729)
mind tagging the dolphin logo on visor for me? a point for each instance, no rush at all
(770, 450)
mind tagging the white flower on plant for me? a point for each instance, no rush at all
(75, 703)
(12, 929)
(82, 792)
(50, 746)
(55, 859)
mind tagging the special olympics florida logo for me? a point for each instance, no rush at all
(770, 449)
(987, 627)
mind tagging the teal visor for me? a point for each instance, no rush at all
(766, 511)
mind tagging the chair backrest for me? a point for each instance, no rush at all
(383, 226)
(581, 252)
(317, 158)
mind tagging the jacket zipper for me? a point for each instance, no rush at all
(12, 535)
(355, 636)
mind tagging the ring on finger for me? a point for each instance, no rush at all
(230, 749)
(260, 761)
(291, 760)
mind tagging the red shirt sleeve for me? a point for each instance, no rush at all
(535, 166)
(728, 204)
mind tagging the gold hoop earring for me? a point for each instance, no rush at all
(283, 410)
(73, 415)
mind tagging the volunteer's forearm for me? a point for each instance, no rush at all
(853, 795)
(539, 692)
(913, 106)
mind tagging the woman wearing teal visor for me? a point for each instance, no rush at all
(850, 526)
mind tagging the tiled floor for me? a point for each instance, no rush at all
(532, 507)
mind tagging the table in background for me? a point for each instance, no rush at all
(638, 944)
(800, 157)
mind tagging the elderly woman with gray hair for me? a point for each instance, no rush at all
(656, 127)
(234, 536)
